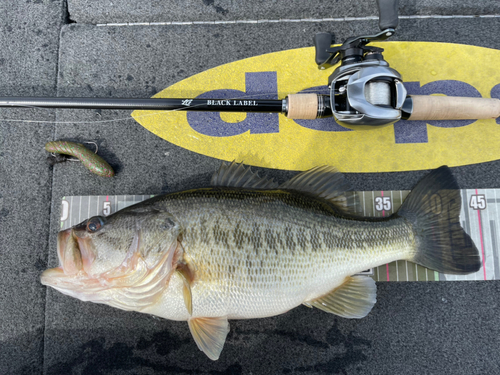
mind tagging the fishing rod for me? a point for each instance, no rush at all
(364, 92)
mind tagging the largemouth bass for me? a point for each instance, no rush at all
(247, 247)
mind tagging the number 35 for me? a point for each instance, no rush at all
(383, 203)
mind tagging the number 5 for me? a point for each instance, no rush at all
(106, 208)
(383, 203)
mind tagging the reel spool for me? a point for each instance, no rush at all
(368, 95)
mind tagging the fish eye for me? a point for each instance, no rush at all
(94, 224)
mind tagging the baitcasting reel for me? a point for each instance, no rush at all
(365, 93)
(364, 90)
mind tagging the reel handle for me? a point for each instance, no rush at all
(388, 14)
(426, 107)
(322, 43)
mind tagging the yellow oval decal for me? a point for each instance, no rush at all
(273, 141)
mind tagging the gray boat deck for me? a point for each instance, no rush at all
(136, 49)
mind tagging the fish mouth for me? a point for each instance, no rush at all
(52, 276)
(68, 251)
(67, 265)
(72, 259)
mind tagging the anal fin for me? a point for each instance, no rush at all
(209, 334)
(353, 299)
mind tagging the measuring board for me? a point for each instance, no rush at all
(479, 216)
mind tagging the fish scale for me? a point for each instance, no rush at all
(267, 263)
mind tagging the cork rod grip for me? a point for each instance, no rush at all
(302, 106)
(453, 108)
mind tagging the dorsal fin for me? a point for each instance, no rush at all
(328, 183)
(240, 175)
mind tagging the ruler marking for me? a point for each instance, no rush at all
(463, 226)
(465, 205)
(80, 211)
(487, 237)
(71, 215)
(354, 199)
(495, 246)
(495, 253)
(467, 226)
(383, 215)
(392, 212)
(373, 203)
(88, 208)
(364, 208)
(406, 262)
(481, 238)
(383, 210)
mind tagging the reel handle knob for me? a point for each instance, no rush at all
(322, 42)
(388, 14)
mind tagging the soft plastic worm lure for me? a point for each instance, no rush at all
(89, 159)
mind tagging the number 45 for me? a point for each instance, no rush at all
(477, 202)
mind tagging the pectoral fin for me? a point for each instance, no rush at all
(353, 299)
(186, 291)
(209, 334)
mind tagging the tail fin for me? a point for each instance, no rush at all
(433, 208)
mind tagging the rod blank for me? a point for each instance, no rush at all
(205, 105)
